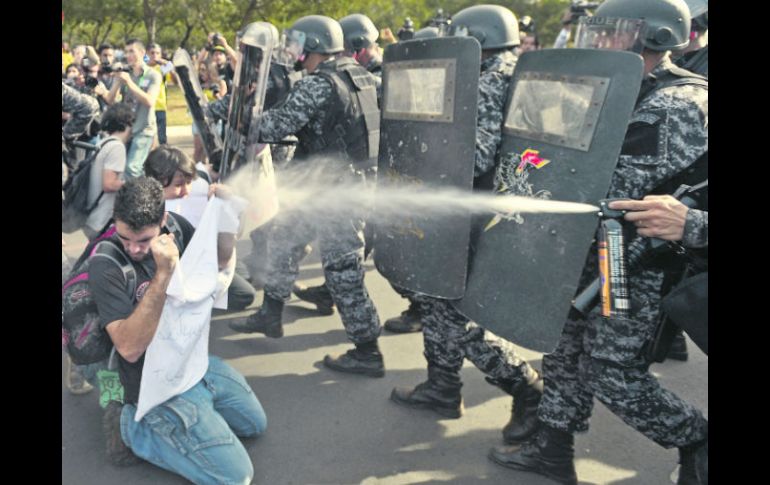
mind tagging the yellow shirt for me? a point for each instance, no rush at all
(66, 60)
(160, 104)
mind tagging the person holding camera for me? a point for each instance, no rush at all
(139, 87)
(106, 60)
(219, 52)
(214, 88)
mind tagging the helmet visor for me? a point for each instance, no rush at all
(610, 33)
(291, 48)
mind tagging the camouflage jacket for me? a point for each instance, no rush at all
(82, 109)
(305, 105)
(496, 73)
(696, 229)
(667, 132)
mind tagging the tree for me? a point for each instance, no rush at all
(174, 23)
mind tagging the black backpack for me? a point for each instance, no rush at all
(81, 334)
(75, 207)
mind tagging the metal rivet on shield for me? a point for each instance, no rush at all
(572, 170)
(553, 232)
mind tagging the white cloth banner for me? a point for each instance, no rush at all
(178, 355)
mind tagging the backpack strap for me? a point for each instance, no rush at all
(108, 249)
(93, 160)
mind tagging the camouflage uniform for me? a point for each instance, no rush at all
(603, 357)
(340, 235)
(696, 229)
(219, 109)
(449, 336)
(82, 109)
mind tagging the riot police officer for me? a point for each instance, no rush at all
(603, 357)
(695, 57)
(333, 112)
(360, 41)
(449, 336)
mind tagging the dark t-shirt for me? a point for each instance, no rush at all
(227, 73)
(108, 290)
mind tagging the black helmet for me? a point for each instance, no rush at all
(322, 34)
(495, 27)
(699, 11)
(426, 33)
(359, 31)
(667, 21)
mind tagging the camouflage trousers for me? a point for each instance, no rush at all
(449, 337)
(342, 252)
(603, 358)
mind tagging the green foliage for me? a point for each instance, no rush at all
(187, 22)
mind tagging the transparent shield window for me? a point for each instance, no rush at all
(290, 49)
(610, 33)
(420, 90)
(562, 112)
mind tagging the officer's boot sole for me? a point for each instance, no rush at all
(272, 332)
(532, 466)
(450, 413)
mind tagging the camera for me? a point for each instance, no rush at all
(116, 67)
(216, 40)
(91, 82)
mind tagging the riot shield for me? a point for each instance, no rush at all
(197, 103)
(564, 125)
(241, 144)
(427, 140)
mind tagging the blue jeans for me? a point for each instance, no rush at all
(160, 119)
(137, 154)
(196, 433)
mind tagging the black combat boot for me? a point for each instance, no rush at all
(318, 295)
(407, 322)
(266, 320)
(550, 452)
(678, 349)
(363, 359)
(440, 393)
(694, 464)
(526, 398)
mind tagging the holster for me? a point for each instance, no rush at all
(684, 307)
